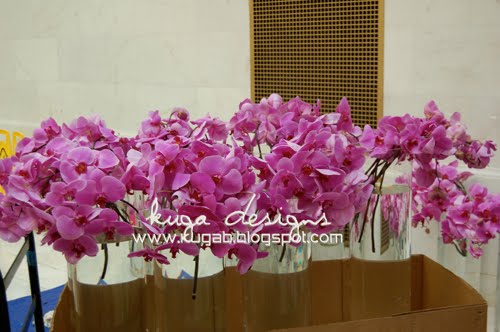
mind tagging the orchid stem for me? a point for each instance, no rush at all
(283, 253)
(106, 258)
(462, 252)
(115, 208)
(373, 221)
(192, 131)
(374, 164)
(460, 186)
(257, 140)
(196, 267)
(260, 151)
(133, 207)
(376, 176)
(364, 219)
(382, 176)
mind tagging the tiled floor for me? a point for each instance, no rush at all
(52, 269)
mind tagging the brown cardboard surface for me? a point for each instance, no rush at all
(328, 274)
(234, 299)
(416, 282)
(61, 321)
(461, 319)
(185, 313)
(440, 301)
(376, 289)
(444, 289)
(273, 300)
(130, 295)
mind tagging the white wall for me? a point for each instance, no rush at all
(121, 59)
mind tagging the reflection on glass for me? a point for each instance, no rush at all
(380, 241)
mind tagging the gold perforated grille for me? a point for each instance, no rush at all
(319, 49)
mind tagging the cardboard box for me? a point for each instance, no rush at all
(440, 301)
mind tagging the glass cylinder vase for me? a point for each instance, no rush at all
(107, 291)
(277, 289)
(337, 246)
(190, 293)
(380, 267)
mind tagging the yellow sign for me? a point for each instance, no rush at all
(8, 142)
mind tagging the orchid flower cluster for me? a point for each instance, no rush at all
(204, 168)
(469, 218)
(75, 182)
(194, 169)
(315, 163)
(66, 181)
(425, 140)
(437, 188)
(72, 181)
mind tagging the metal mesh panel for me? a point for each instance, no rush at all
(320, 49)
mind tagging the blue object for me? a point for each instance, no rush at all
(18, 307)
(102, 282)
(34, 312)
(185, 275)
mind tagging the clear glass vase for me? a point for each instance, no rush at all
(455, 257)
(380, 248)
(336, 248)
(277, 289)
(184, 302)
(107, 291)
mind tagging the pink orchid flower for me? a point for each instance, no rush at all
(76, 249)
